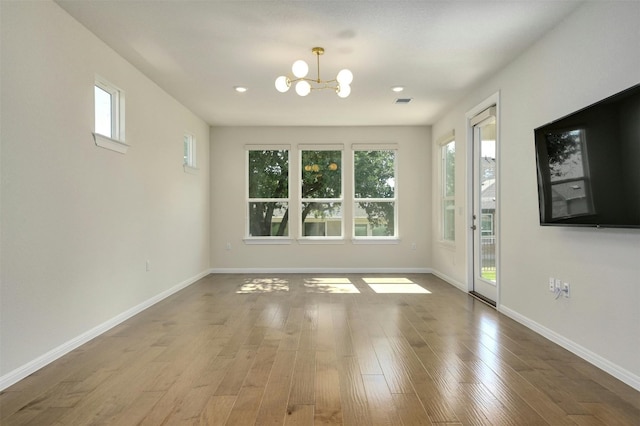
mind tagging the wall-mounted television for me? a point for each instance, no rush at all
(589, 165)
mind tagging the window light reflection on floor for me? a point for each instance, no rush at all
(330, 285)
(264, 285)
(333, 285)
(395, 285)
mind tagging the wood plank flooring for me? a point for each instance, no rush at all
(313, 350)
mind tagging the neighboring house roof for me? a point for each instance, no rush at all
(568, 191)
(488, 194)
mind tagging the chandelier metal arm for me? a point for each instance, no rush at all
(313, 80)
(325, 84)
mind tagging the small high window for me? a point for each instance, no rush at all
(189, 150)
(109, 116)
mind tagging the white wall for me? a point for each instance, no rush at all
(593, 54)
(79, 221)
(228, 183)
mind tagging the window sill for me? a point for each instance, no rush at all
(110, 143)
(451, 245)
(267, 241)
(375, 241)
(190, 170)
(320, 241)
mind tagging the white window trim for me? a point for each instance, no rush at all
(190, 170)
(117, 141)
(319, 239)
(442, 142)
(110, 143)
(267, 240)
(374, 147)
(395, 239)
(375, 240)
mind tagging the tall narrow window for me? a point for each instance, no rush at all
(321, 192)
(189, 150)
(375, 195)
(268, 192)
(447, 191)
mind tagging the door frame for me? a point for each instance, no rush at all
(493, 100)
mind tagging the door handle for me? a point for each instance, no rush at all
(473, 227)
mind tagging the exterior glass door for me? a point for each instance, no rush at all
(484, 205)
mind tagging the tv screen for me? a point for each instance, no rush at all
(589, 165)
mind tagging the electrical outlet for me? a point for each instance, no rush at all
(413, 246)
(148, 265)
(552, 284)
(558, 284)
(566, 289)
(227, 246)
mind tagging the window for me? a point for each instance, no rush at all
(375, 195)
(268, 192)
(321, 192)
(109, 116)
(447, 190)
(318, 213)
(486, 224)
(189, 151)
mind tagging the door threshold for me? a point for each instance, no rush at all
(483, 299)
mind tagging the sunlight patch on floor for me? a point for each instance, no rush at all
(395, 285)
(330, 285)
(264, 285)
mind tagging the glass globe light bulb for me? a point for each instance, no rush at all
(300, 68)
(303, 88)
(344, 90)
(282, 84)
(345, 77)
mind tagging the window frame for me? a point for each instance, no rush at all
(443, 143)
(300, 201)
(391, 239)
(115, 141)
(189, 151)
(267, 239)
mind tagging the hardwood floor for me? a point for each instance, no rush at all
(303, 350)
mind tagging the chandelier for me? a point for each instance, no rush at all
(304, 86)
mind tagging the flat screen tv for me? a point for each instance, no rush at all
(589, 165)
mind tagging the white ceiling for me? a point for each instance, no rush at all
(199, 50)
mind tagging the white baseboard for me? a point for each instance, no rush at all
(455, 283)
(604, 364)
(47, 358)
(320, 270)
(584, 353)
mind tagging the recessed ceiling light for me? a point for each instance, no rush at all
(397, 88)
(240, 89)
